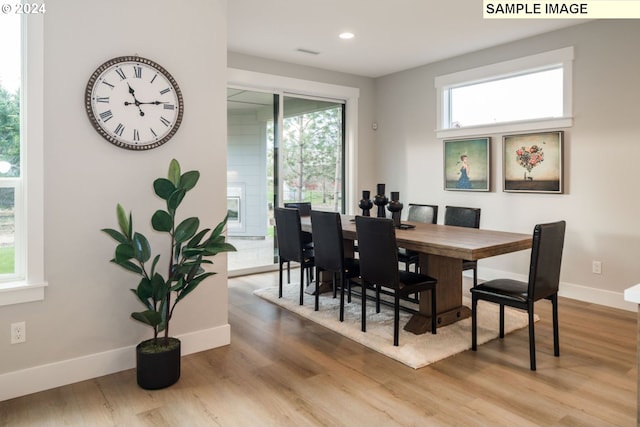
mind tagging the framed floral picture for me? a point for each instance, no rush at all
(533, 162)
(466, 164)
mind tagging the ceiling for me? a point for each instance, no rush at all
(390, 35)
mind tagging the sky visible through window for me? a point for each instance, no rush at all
(529, 96)
(10, 52)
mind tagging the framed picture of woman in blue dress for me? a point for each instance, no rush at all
(467, 164)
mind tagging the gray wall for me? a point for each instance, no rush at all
(600, 204)
(82, 329)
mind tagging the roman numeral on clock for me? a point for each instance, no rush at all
(106, 115)
(119, 129)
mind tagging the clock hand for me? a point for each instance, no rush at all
(136, 103)
(154, 102)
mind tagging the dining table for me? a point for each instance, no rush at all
(442, 250)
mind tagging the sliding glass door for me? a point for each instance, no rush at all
(281, 148)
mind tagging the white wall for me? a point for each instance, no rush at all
(600, 203)
(82, 329)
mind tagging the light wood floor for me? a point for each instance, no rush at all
(282, 370)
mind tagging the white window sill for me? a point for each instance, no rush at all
(506, 128)
(19, 292)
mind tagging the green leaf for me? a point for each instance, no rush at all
(124, 252)
(153, 265)
(162, 221)
(160, 287)
(163, 188)
(174, 172)
(219, 228)
(197, 238)
(125, 225)
(175, 199)
(193, 284)
(189, 180)
(216, 248)
(141, 248)
(151, 318)
(144, 291)
(128, 265)
(121, 238)
(193, 252)
(186, 229)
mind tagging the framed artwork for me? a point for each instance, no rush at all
(533, 162)
(466, 164)
(233, 209)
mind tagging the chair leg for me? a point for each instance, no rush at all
(317, 292)
(288, 271)
(475, 277)
(474, 321)
(377, 298)
(532, 338)
(501, 320)
(334, 284)
(364, 307)
(556, 335)
(342, 299)
(434, 312)
(280, 281)
(396, 320)
(301, 284)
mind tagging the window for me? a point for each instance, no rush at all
(289, 140)
(21, 123)
(524, 94)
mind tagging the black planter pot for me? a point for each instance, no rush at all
(158, 369)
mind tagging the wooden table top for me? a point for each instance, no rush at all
(446, 240)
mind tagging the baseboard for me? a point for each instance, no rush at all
(568, 290)
(44, 377)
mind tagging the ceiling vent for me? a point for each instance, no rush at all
(310, 52)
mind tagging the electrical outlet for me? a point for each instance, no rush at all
(18, 332)
(596, 267)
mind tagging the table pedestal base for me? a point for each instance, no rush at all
(420, 324)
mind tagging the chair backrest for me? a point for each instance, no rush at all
(423, 213)
(303, 207)
(328, 245)
(546, 259)
(462, 216)
(378, 250)
(289, 233)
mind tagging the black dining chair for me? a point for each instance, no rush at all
(307, 238)
(417, 213)
(329, 255)
(291, 246)
(379, 268)
(464, 217)
(543, 283)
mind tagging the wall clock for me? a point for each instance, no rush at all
(134, 103)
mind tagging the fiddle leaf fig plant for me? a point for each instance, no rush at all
(190, 249)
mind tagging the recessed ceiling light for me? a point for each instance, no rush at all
(347, 35)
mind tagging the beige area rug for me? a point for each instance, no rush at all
(415, 351)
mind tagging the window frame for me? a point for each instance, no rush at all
(253, 80)
(543, 61)
(30, 191)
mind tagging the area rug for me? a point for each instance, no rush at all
(415, 351)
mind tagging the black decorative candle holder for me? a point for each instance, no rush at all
(395, 207)
(365, 204)
(380, 201)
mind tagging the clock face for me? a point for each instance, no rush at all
(134, 103)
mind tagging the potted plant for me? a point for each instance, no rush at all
(158, 359)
